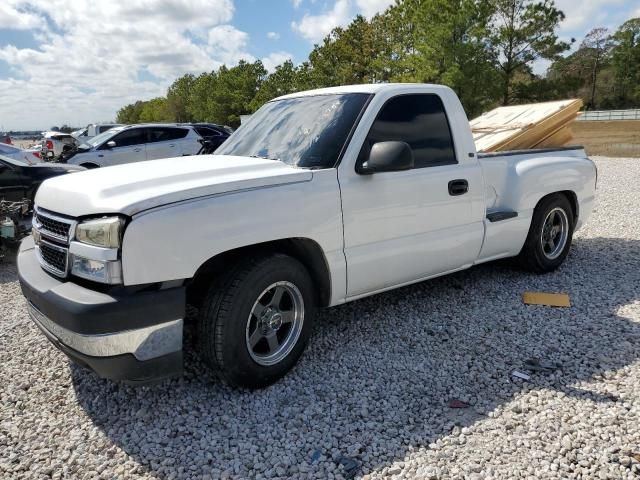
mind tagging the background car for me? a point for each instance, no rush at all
(20, 179)
(93, 130)
(30, 156)
(213, 133)
(135, 143)
(55, 143)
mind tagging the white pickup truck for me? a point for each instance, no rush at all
(321, 198)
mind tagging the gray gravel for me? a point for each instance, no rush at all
(374, 383)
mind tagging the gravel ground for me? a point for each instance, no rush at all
(374, 384)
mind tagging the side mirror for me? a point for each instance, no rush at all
(388, 157)
(111, 144)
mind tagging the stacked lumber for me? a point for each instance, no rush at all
(537, 125)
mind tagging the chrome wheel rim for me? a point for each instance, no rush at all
(555, 231)
(275, 323)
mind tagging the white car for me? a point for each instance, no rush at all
(30, 156)
(135, 143)
(54, 144)
(321, 198)
(93, 130)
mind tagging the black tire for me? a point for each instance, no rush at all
(89, 166)
(533, 256)
(225, 314)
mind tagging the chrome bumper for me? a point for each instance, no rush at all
(143, 343)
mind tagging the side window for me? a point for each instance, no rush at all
(207, 132)
(164, 134)
(133, 136)
(419, 120)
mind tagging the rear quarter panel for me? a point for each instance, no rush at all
(519, 182)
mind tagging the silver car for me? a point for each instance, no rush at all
(135, 143)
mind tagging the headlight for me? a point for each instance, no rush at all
(95, 251)
(102, 232)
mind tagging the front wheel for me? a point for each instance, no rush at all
(550, 235)
(255, 322)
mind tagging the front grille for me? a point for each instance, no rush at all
(52, 235)
(53, 226)
(53, 258)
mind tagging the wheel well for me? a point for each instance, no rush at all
(573, 201)
(306, 251)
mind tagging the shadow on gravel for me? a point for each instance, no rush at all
(378, 373)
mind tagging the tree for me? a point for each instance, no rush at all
(235, 89)
(448, 45)
(199, 98)
(596, 45)
(285, 79)
(130, 113)
(523, 32)
(155, 110)
(178, 98)
(626, 64)
(345, 56)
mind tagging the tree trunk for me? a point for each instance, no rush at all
(505, 88)
(594, 78)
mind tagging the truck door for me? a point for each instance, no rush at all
(400, 227)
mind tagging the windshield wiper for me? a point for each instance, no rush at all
(265, 158)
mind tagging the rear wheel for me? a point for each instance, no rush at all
(550, 235)
(255, 322)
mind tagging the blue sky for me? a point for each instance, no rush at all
(78, 61)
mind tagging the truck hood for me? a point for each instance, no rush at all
(132, 188)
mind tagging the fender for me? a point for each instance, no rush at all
(172, 242)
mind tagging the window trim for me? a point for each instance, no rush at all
(347, 141)
(359, 163)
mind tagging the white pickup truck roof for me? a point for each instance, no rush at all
(370, 88)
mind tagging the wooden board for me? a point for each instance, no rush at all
(562, 136)
(524, 126)
(549, 299)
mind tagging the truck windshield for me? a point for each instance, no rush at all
(308, 131)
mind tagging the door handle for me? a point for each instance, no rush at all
(137, 149)
(458, 187)
(172, 144)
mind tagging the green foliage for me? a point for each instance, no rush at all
(130, 113)
(178, 98)
(485, 50)
(285, 79)
(155, 110)
(626, 64)
(448, 45)
(524, 31)
(604, 71)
